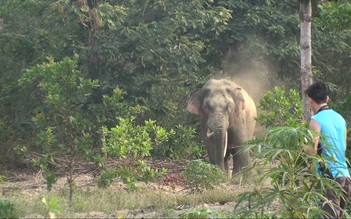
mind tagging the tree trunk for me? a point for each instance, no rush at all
(306, 52)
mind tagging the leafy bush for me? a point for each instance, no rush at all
(287, 176)
(7, 209)
(2, 179)
(106, 178)
(280, 108)
(140, 171)
(128, 139)
(201, 175)
(183, 144)
(64, 130)
(128, 142)
(51, 206)
(69, 119)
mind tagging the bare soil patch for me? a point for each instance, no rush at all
(33, 184)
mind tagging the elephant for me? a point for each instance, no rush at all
(227, 119)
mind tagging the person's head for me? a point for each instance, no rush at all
(318, 92)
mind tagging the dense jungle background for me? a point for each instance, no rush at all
(88, 83)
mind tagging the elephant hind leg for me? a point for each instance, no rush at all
(240, 161)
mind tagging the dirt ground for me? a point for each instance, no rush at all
(30, 184)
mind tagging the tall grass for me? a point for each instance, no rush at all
(295, 189)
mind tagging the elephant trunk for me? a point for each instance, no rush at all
(218, 149)
(217, 139)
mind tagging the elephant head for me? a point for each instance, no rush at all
(227, 118)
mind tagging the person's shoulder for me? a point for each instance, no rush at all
(337, 114)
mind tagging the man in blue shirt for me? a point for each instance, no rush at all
(331, 144)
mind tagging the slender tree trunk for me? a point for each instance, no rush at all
(70, 179)
(306, 52)
(70, 182)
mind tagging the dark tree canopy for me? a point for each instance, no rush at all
(157, 52)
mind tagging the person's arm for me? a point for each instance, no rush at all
(314, 126)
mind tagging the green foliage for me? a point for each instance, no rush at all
(332, 62)
(2, 179)
(130, 140)
(61, 126)
(255, 215)
(155, 53)
(69, 119)
(51, 206)
(148, 174)
(131, 174)
(183, 144)
(344, 107)
(22, 46)
(287, 175)
(263, 32)
(64, 131)
(336, 15)
(127, 142)
(114, 106)
(106, 178)
(202, 213)
(7, 209)
(201, 175)
(280, 108)
(50, 178)
(140, 171)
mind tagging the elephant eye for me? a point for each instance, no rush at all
(208, 105)
(229, 107)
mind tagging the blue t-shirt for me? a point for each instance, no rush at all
(333, 127)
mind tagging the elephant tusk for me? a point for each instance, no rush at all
(209, 133)
(225, 143)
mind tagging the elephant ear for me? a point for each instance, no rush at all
(239, 101)
(195, 102)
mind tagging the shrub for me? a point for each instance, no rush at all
(69, 118)
(139, 171)
(201, 175)
(7, 209)
(280, 108)
(183, 144)
(2, 179)
(127, 143)
(294, 186)
(51, 206)
(64, 130)
(106, 178)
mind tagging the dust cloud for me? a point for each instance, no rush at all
(253, 75)
(254, 80)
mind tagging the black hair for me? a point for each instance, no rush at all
(318, 92)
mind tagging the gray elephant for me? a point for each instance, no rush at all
(227, 119)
